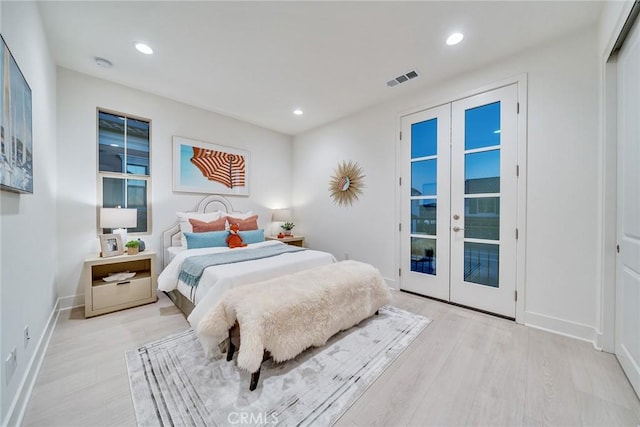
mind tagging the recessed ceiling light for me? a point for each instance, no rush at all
(298, 112)
(454, 38)
(104, 63)
(144, 48)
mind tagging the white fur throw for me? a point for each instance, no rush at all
(290, 313)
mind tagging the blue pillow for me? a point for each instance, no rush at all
(209, 239)
(253, 236)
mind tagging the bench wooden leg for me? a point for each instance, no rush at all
(254, 379)
(231, 348)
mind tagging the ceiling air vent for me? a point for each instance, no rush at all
(403, 78)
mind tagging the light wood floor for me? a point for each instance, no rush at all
(466, 368)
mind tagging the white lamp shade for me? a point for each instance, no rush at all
(281, 215)
(118, 218)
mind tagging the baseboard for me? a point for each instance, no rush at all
(598, 342)
(71, 301)
(562, 327)
(18, 407)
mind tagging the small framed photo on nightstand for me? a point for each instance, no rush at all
(111, 245)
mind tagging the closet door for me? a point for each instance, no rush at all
(484, 201)
(627, 346)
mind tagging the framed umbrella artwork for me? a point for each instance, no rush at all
(200, 167)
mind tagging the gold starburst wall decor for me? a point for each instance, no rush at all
(346, 184)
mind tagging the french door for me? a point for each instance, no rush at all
(459, 198)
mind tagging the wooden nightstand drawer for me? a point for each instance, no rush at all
(113, 294)
(102, 296)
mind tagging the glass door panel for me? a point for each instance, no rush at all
(482, 218)
(424, 177)
(424, 138)
(424, 217)
(482, 179)
(481, 263)
(482, 126)
(424, 182)
(423, 255)
(482, 172)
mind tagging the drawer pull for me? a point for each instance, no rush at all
(123, 283)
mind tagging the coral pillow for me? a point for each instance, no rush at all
(250, 223)
(203, 226)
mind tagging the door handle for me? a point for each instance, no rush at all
(456, 228)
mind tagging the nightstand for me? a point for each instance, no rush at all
(290, 240)
(104, 297)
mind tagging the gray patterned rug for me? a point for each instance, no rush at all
(174, 384)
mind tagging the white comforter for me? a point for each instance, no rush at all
(216, 280)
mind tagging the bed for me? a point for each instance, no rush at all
(216, 280)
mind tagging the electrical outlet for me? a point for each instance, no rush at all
(27, 337)
(11, 364)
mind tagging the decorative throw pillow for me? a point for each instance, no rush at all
(203, 226)
(250, 223)
(241, 215)
(252, 236)
(185, 225)
(208, 239)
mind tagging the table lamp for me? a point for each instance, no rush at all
(118, 220)
(281, 215)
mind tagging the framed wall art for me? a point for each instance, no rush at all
(111, 245)
(200, 167)
(16, 151)
(346, 184)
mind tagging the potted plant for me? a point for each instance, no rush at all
(287, 227)
(132, 247)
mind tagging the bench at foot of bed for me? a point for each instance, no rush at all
(233, 342)
(286, 315)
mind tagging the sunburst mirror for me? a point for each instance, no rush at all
(346, 183)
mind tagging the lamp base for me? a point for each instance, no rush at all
(123, 235)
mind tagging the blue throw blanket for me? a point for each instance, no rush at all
(194, 266)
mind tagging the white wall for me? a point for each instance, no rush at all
(80, 95)
(28, 222)
(563, 162)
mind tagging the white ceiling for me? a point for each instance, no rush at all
(258, 61)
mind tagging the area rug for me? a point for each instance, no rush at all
(174, 384)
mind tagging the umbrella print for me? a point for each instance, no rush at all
(226, 168)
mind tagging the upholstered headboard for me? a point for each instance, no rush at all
(172, 236)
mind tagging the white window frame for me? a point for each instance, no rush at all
(123, 175)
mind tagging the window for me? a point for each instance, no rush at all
(124, 175)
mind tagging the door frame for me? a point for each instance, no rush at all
(521, 211)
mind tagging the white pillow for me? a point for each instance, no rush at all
(185, 225)
(239, 215)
